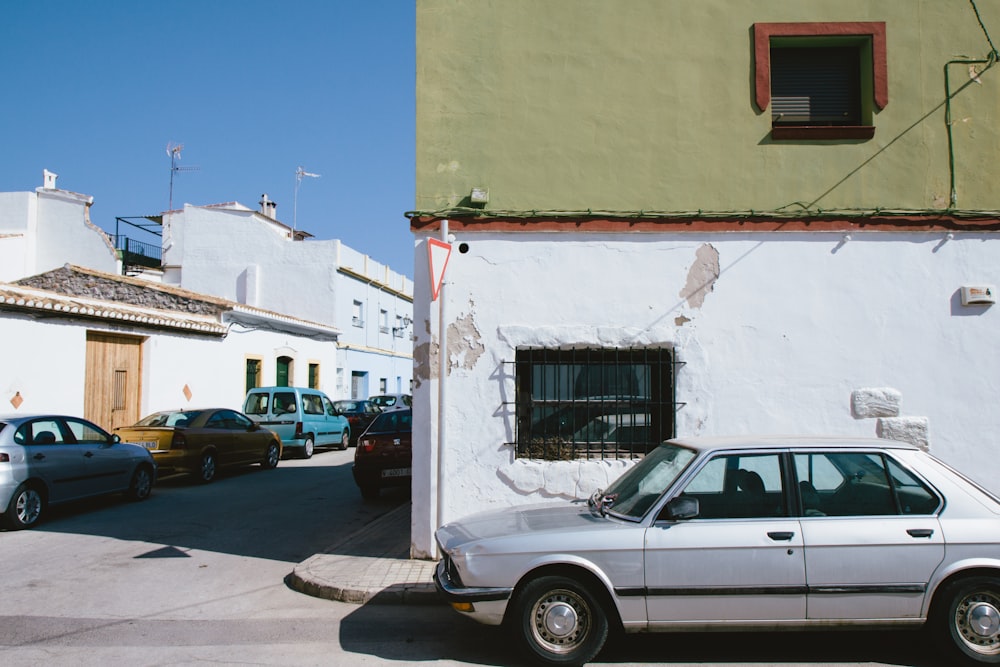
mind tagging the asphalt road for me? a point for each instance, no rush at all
(195, 575)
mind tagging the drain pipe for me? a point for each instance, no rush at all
(989, 62)
(442, 373)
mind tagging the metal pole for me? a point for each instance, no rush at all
(442, 373)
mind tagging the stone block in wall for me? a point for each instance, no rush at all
(913, 430)
(875, 402)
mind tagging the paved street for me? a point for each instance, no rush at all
(196, 575)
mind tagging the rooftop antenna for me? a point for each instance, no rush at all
(299, 174)
(174, 151)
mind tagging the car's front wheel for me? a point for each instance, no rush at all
(308, 448)
(207, 468)
(25, 508)
(271, 456)
(559, 621)
(969, 619)
(141, 485)
(345, 439)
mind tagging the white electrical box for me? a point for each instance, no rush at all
(978, 295)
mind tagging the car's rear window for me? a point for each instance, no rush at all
(176, 418)
(388, 422)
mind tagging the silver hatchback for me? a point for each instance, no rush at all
(50, 459)
(769, 533)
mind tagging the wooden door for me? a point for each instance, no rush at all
(113, 381)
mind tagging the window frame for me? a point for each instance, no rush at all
(655, 403)
(874, 94)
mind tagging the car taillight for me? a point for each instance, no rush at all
(367, 444)
(298, 430)
(178, 441)
(4, 458)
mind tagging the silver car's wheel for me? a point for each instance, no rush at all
(25, 508)
(972, 619)
(271, 456)
(560, 621)
(207, 469)
(308, 448)
(141, 485)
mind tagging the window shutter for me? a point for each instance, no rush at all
(815, 86)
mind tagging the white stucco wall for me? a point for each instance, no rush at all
(65, 234)
(17, 225)
(42, 366)
(237, 254)
(43, 362)
(794, 324)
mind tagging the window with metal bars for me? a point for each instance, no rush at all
(593, 403)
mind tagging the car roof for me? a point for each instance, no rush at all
(787, 441)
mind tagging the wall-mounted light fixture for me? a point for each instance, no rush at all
(479, 196)
(978, 295)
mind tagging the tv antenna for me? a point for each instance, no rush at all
(174, 151)
(300, 173)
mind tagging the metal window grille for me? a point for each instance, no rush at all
(120, 390)
(593, 403)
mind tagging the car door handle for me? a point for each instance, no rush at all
(39, 457)
(781, 535)
(920, 532)
(88, 453)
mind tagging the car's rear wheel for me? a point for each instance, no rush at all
(308, 448)
(141, 485)
(271, 456)
(208, 468)
(559, 621)
(345, 439)
(969, 619)
(25, 508)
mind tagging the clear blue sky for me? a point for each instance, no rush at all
(95, 90)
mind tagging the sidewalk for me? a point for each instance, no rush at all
(372, 565)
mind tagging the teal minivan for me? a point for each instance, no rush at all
(303, 418)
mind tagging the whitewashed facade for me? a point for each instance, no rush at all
(775, 332)
(247, 256)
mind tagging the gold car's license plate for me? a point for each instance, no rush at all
(148, 444)
(396, 472)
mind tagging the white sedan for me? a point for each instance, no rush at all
(768, 533)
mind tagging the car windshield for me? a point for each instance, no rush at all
(175, 418)
(347, 406)
(632, 494)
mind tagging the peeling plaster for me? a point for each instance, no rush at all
(701, 276)
(562, 479)
(465, 343)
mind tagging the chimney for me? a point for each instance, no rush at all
(267, 207)
(49, 179)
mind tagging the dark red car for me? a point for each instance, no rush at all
(359, 414)
(384, 453)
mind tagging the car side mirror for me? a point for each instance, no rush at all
(254, 426)
(680, 508)
(115, 438)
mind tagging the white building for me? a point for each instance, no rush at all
(218, 316)
(761, 332)
(249, 257)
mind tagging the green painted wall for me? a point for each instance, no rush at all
(648, 104)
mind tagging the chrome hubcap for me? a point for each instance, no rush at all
(560, 621)
(978, 620)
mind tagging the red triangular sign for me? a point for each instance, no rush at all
(438, 253)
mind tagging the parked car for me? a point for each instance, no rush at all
(392, 401)
(384, 454)
(772, 533)
(303, 418)
(201, 442)
(359, 415)
(50, 459)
